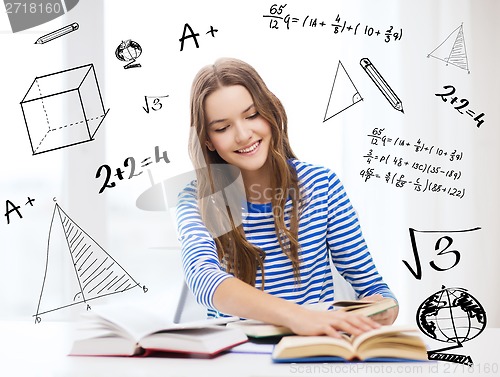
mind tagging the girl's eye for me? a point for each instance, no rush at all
(221, 129)
(253, 116)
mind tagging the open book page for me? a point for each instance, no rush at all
(367, 308)
(135, 323)
(391, 341)
(291, 347)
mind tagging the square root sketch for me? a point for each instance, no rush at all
(63, 109)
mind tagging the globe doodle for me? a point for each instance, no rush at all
(129, 51)
(451, 315)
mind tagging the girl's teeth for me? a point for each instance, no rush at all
(249, 149)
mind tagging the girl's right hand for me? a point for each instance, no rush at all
(304, 321)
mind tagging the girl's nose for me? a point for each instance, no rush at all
(243, 133)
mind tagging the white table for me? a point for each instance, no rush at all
(29, 350)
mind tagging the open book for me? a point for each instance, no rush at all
(387, 343)
(365, 307)
(119, 331)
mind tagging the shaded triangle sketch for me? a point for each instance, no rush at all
(343, 94)
(452, 50)
(94, 273)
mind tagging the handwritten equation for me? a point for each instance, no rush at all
(460, 105)
(10, 208)
(130, 164)
(387, 166)
(277, 17)
(154, 101)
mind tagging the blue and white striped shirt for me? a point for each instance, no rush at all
(328, 228)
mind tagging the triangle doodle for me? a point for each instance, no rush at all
(452, 50)
(94, 274)
(343, 94)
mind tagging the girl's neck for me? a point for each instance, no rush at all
(258, 185)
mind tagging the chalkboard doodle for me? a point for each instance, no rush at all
(450, 90)
(451, 315)
(10, 207)
(278, 16)
(129, 163)
(452, 50)
(63, 109)
(393, 163)
(95, 273)
(343, 94)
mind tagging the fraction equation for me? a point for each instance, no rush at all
(130, 164)
(460, 105)
(399, 180)
(377, 137)
(421, 167)
(10, 207)
(278, 16)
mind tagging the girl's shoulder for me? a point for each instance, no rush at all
(307, 171)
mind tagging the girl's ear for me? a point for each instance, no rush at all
(209, 145)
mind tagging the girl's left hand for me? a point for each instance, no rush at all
(388, 316)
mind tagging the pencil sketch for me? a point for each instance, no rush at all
(343, 94)
(57, 33)
(381, 84)
(94, 273)
(452, 50)
(63, 109)
(451, 315)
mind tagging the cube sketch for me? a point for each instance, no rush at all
(63, 109)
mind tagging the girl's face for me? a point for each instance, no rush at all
(239, 134)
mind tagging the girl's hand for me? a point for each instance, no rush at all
(310, 322)
(388, 316)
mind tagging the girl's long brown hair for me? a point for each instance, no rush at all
(240, 257)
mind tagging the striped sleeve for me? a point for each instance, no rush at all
(348, 249)
(202, 269)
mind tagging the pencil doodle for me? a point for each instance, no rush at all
(129, 51)
(452, 50)
(57, 33)
(451, 315)
(63, 109)
(343, 95)
(381, 84)
(96, 273)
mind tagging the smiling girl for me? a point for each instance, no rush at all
(274, 254)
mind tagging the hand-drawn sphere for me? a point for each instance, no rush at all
(128, 51)
(451, 315)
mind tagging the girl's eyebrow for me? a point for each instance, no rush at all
(225, 120)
